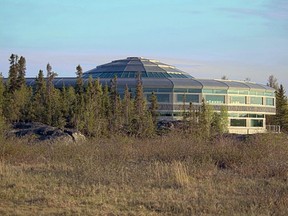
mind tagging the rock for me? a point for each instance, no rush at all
(38, 132)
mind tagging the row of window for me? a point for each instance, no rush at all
(243, 123)
(214, 99)
(223, 91)
(233, 122)
(210, 91)
(246, 115)
(134, 74)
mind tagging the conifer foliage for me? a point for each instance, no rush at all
(93, 109)
(281, 117)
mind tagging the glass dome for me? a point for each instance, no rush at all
(132, 66)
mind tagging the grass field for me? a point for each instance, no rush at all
(169, 175)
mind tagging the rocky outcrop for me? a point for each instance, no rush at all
(38, 132)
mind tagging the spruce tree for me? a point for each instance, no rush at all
(127, 107)
(100, 118)
(106, 103)
(205, 120)
(224, 119)
(2, 119)
(79, 88)
(140, 103)
(1, 92)
(192, 119)
(78, 119)
(13, 74)
(88, 114)
(142, 124)
(49, 93)
(57, 115)
(68, 105)
(281, 109)
(21, 72)
(39, 99)
(115, 122)
(154, 107)
(184, 114)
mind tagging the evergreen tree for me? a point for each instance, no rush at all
(106, 104)
(88, 114)
(115, 122)
(13, 74)
(39, 99)
(100, 118)
(94, 120)
(68, 105)
(17, 105)
(49, 94)
(142, 124)
(192, 119)
(281, 109)
(224, 119)
(205, 119)
(1, 92)
(78, 119)
(127, 106)
(79, 88)
(2, 120)
(153, 107)
(21, 72)
(140, 103)
(50, 77)
(184, 114)
(57, 118)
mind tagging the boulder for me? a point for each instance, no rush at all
(38, 132)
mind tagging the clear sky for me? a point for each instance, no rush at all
(206, 38)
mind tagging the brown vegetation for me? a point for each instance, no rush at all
(171, 175)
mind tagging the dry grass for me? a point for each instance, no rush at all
(170, 175)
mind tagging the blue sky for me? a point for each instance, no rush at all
(206, 38)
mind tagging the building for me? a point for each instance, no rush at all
(248, 103)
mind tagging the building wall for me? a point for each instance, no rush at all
(246, 109)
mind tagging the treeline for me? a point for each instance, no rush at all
(98, 110)
(93, 109)
(281, 117)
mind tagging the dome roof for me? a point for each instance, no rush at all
(132, 66)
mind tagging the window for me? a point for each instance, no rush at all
(157, 90)
(256, 100)
(164, 89)
(256, 123)
(150, 90)
(243, 115)
(270, 101)
(233, 92)
(256, 93)
(161, 98)
(194, 90)
(180, 90)
(238, 99)
(233, 115)
(238, 122)
(243, 92)
(215, 91)
(215, 99)
(270, 94)
(252, 115)
(188, 98)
